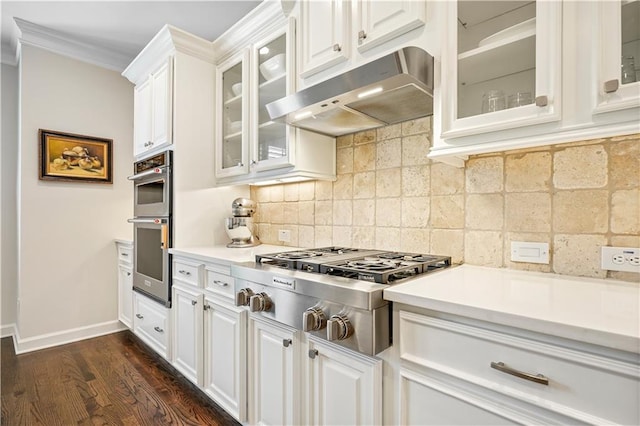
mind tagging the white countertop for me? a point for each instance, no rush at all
(223, 254)
(602, 312)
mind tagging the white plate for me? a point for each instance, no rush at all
(519, 28)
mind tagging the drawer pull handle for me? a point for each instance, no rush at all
(183, 272)
(158, 329)
(139, 316)
(313, 353)
(125, 254)
(220, 283)
(194, 302)
(538, 378)
(286, 342)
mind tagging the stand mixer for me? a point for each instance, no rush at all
(240, 227)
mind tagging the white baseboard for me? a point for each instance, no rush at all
(67, 336)
(7, 330)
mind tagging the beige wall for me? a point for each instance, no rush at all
(66, 230)
(388, 195)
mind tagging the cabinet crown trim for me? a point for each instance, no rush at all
(165, 43)
(261, 21)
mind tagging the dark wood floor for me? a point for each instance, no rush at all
(108, 380)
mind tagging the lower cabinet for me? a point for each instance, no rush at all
(187, 305)
(274, 375)
(125, 283)
(460, 371)
(343, 387)
(225, 355)
(151, 324)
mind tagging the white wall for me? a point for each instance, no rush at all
(67, 257)
(9, 169)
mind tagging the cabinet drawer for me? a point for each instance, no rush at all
(187, 272)
(151, 324)
(580, 385)
(125, 254)
(219, 283)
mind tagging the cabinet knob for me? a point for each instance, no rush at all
(542, 101)
(337, 48)
(240, 164)
(158, 329)
(139, 316)
(254, 162)
(286, 342)
(128, 273)
(313, 353)
(611, 86)
(206, 307)
(361, 36)
(194, 302)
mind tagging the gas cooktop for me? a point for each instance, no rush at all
(378, 266)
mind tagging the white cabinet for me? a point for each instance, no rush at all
(151, 324)
(232, 124)
(471, 372)
(152, 110)
(250, 147)
(503, 66)
(225, 332)
(332, 29)
(325, 39)
(187, 306)
(618, 85)
(273, 373)
(125, 283)
(343, 387)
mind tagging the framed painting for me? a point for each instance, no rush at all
(69, 157)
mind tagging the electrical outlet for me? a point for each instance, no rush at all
(284, 235)
(625, 259)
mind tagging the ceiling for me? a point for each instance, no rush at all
(123, 27)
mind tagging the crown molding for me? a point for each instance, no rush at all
(267, 17)
(165, 43)
(66, 45)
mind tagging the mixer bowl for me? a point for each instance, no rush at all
(240, 230)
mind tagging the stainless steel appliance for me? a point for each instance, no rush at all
(152, 230)
(240, 227)
(394, 88)
(332, 292)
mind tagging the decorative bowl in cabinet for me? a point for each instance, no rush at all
(236, 89)
(273, 67)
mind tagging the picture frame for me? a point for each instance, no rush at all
(75, 158)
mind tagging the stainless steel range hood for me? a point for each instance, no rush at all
(391, 89)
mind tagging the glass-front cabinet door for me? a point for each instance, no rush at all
(232, 119)
(619, 55)
(272, 79)
(505, 58)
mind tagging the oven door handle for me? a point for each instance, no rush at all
(154, 171)
(156, 220)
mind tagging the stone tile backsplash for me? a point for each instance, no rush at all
(389, 195)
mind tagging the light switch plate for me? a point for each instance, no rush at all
(284, 235)
(626, 259)
(522, 251)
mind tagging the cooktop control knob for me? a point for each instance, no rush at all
(243, 296)
(313, 319)
(339, 327)
(259, 302)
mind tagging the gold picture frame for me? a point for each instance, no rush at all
(77, 158)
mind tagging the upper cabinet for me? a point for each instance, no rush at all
(518, 74)
(332, 29)
(172, 75)
(504, 66)
(256, 69)
(618, 56)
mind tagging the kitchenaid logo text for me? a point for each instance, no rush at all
(284, 282)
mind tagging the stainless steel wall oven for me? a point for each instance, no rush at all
(152, 227)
